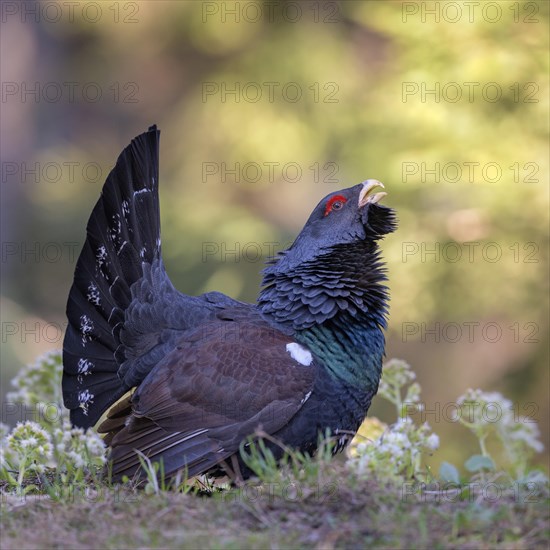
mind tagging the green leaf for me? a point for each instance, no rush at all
(479, 462)
(448, 472)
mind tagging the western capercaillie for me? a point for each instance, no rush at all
(209, 371)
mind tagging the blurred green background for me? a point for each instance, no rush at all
(446, 104)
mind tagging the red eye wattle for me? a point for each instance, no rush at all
(335, 203)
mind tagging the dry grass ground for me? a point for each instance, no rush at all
(336, 510)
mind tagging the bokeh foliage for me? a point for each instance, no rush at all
(370, 53)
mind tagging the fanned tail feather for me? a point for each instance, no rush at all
(123, 235)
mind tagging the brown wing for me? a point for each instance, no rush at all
(222, 382)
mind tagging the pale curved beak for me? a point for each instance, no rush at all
(366, 197)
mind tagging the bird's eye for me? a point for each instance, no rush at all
(335, 203)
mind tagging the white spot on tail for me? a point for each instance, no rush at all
(84, 366)
(86, 328)
(85, 398)
(93, 294)
(299, 354)
(116, 228)
(101, 255)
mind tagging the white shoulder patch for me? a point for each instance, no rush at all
(300, 354)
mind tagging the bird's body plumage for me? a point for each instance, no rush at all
(209, 371)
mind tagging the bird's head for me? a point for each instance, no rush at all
(344, 217)
(336, 256)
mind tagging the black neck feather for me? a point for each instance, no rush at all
(346, 280)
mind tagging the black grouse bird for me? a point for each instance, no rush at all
(209, 371)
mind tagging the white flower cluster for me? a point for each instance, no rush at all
(78, 447)
(523, 431)
(483, 410)
(392, 453)
(28, 446)
(485, 413)
(396, 451)
(39, 382)
(397, 374)
(51, 442)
